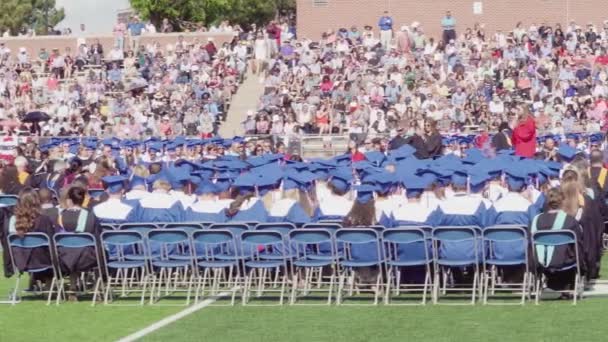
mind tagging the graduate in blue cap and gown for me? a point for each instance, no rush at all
(179, 178)
(115, 210)
(247, 205)
(206, 208)
(513, 207)
(295, 198)
(139, 188)
(160, 206)
(415, 212)
(386, 203)
(462, 209)
(336, 204)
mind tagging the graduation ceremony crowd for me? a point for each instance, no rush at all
(112, 182)
(504, 87)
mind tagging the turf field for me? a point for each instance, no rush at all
(552, 320)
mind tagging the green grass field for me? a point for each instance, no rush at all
(552, 320)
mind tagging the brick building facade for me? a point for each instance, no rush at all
(317, 16)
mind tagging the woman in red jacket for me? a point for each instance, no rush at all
(524, 136)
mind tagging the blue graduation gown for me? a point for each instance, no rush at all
(205, 211)
(252, 210)
(160, 207)
(288, 210)
(333, 208)
(513, 209)
(117, 211)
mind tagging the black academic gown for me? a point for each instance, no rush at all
(26, 259)
(592, 223)
(74, 260)
(501, 142)
(563, 255)
(594, 173)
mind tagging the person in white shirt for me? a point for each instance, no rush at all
(496, 106)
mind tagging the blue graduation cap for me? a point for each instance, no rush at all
(517, 175)
(403, 152)
(567, 152)
(155, 147)
(224, 180)
(298, 180)
(365, 193)
(114, 184)
(178, 176)
(341, 179)
(478, 180)
(375, 158)
(459, 177)
(343, 160)
(415, 185)
(473, 156)
(204, 186)
(383, 180)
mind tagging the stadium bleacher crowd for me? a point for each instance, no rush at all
(148, 179)
(351, 81)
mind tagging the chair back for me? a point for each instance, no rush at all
(309, 242)
(20, 248)
(332, 227)
(8, 200)
(360, 243)
(546, 241)
(259, 243)
(74, 242)
(505, 243)
(406, 244)
(235, 228)
(210, 243)
(283, 227)
(168, 242)
(189, 227)
(456, 244)
(142, 228)
(120, 243)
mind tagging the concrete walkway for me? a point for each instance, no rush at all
(246, 98)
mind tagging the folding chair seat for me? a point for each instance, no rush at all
(130, 274)
(21, 251)
(306, 243)
(405, 249)
(544, 243)
(504, 246)
(81, 247)
(453, 249)
(362, 250)
(174, 268)
(258, 269)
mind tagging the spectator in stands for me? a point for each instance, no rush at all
(448, 25)
(385, 24)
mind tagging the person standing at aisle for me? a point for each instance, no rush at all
(448, 24)
(386, 29)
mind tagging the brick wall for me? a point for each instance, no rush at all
(497, 14)
(34, 44)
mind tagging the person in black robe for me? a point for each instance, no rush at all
(77, 219)
(598, 174)
(397, 141)
(502, 139)
(28, 217)
(428, 144)
(563, 256)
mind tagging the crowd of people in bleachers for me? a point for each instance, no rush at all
(352, 81)
(132, 90)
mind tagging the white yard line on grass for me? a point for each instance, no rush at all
(173, 318)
